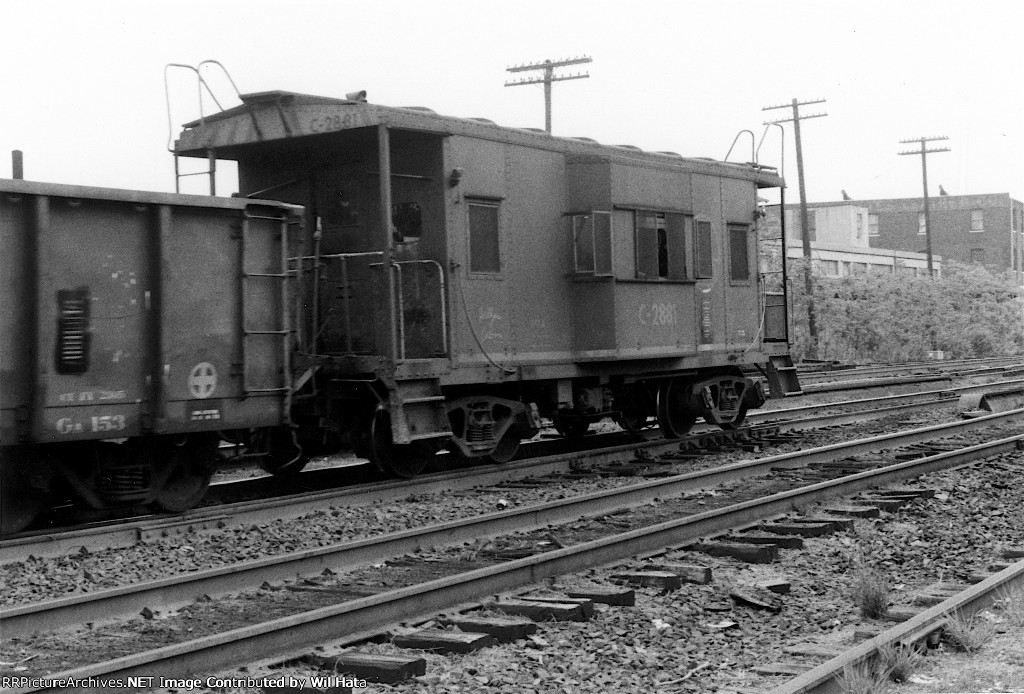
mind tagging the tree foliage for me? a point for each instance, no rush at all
(969, 312)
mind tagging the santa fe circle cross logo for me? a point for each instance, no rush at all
(203, 380)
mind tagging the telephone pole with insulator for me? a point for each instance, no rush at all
(924, 152)
(548, 66)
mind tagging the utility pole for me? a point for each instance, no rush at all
(924, 152)
(548, 67)
(805, 231)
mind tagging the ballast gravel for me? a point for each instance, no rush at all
(44, 578)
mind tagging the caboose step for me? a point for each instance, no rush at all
(782, 377)
(423, 412)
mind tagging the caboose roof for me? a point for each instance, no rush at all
(279, 115)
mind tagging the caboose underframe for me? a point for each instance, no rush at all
(527, 276)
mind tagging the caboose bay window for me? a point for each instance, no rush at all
(702, 243)
(484, 248)
(592, 244)
(661, 245)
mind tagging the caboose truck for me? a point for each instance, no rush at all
(459, 280)
(133, 327)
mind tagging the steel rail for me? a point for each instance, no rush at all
(962, 367)
(172, 592)
(294, 634)
(129, 533)
(824, 679)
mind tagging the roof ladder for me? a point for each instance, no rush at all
(201, 86)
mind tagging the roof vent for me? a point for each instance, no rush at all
(359, 96)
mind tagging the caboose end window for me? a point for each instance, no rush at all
(484, 253)
(739, 254)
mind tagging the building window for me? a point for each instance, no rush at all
(872, 225)
(660, 245)
(702, 249)
(592, 243)
(739, 252)
(922, 225)
(858, 268)
(977, 255)
(829, 268)
(977, 220)
(484, 253)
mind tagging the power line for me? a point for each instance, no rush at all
(924, 152)
(805, 232)
(548, 66)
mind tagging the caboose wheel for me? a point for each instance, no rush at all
(674, 415)
(506, 448)
(401, 460)
(185, 472)
(737, 421)
(20, 502)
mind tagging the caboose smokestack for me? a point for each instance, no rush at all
(17, 164)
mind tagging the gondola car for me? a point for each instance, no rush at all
(134, 327)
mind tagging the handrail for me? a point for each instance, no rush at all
(200, 85)
(397, 267)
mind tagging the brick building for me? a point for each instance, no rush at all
(840, 242)
(987, 229)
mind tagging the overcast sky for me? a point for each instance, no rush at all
(83, 82)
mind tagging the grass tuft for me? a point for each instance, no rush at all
(898, 662)
(968, 633)
(1011, 604)
(863, 678)
(870, 592)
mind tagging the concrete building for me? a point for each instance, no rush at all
(986, 229)
(840, 242)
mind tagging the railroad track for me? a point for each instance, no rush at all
(347, 620)
(913, 633)
(126, 534)
(961, 369)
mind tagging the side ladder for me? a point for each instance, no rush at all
(283, 330)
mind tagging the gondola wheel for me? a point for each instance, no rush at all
(20, 502)
(400, 460)
(674, 416)
(187, 467)
(284, 455)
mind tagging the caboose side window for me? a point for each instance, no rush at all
(739, 254)
(661, 245)
(702, 243)
(484, 254)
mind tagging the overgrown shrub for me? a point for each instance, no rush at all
(969, 312)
